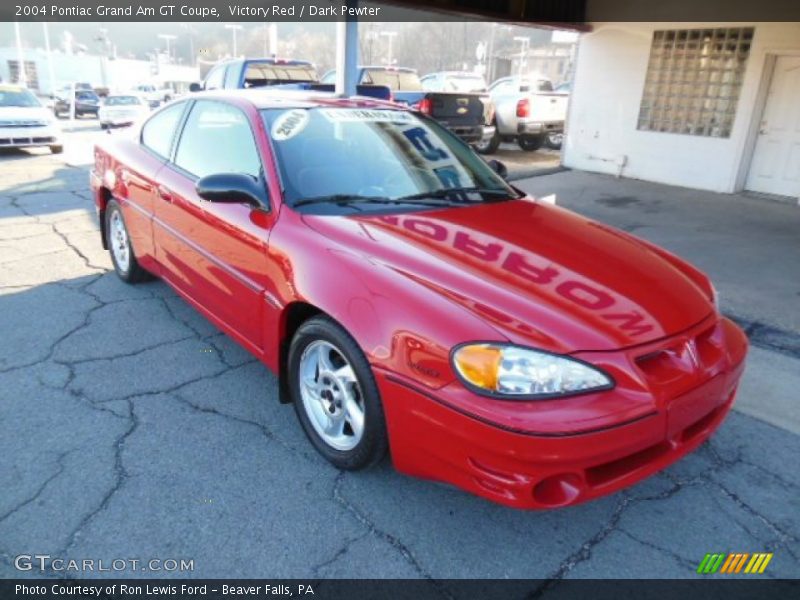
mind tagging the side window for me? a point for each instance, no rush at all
(158, 131)
(215, 78)
(217, 139)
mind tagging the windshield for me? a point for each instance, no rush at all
(17, 97)
(397, 81)
(377, 155)
(261, 74)
(122, 100)
(465, 83)
(84, 95)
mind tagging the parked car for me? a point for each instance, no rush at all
(527, 111)
(154, 95)
(240, 73)
(410, 299)
(119, 110)
(24, 122)
(87, 102)
(468, 114)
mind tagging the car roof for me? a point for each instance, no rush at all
(267, 97)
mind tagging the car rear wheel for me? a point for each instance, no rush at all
(531, 143)
(120, 248)
(335, 395)
(56, 149)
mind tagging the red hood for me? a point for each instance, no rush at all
(541, 275)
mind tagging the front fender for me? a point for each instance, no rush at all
(402, 326)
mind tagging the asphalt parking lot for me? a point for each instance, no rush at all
(132, 428)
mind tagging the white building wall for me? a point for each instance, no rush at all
(604, 108)
(117, 74)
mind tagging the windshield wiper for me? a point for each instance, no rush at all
(452, 193)
(353, 198)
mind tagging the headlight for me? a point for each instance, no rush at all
(512, 371)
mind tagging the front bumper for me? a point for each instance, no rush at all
(21, 137)
(433, 437)
(539, 127)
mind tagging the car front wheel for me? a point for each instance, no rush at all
(120, 248)
(335, 395)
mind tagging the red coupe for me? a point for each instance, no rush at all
(412, 301)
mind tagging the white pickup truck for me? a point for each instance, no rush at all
(527, 111)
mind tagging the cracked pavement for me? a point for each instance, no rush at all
(130, 427)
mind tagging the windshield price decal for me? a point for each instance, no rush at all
(373, 116)
(289, 124)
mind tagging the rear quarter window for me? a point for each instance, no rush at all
(159, 131)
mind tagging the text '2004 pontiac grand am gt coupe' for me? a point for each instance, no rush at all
(412, 301)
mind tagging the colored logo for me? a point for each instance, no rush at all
(734, 563)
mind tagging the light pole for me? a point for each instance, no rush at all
(234, 29)
(273, 40)
(22, 77)
(390, 35)
(50, 71)
(167, 37)
(523, 52)
(190, 32)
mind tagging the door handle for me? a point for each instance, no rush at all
(164, 194)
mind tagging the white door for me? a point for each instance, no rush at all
(775, 168)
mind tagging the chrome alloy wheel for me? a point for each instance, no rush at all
(331, 395)
(118, 239)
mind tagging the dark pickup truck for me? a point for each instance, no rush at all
(467, 114)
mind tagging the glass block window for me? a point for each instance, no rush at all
(693, 80)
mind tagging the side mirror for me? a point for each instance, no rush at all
(499, 168)
(195, 87)
(231, 188)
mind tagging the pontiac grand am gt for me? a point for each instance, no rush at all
(412, 301)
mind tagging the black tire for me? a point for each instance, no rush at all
(56, 149)
(554, 140)
(374, 443)
(490, 146)
(531, 143)
(104, 126)
(134, 272)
